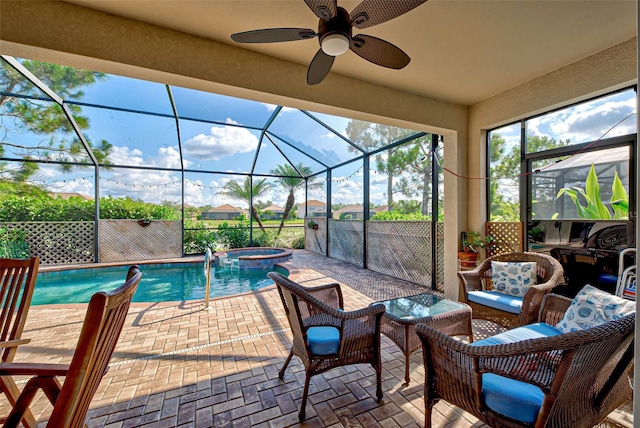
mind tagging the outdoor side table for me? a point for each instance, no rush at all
(403, 313)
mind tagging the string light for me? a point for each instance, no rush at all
(417, 164)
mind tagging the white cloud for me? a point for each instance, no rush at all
(122, 155)
(587, 122)
(167, 157)
(222, 141)
(79, 181)
(269, 107)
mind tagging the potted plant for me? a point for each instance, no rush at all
(471, 243)
(312, 225)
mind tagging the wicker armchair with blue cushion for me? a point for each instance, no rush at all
(571, 369)
(325, 336)
(508, 288)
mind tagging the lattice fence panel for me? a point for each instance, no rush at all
(124, 240)
(58, 242)
(508, 237)
(401, 249)
(440, 256)
(316, 239)
(346, 240)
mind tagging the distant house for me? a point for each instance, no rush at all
(380, 209)
(352, 212)
(276, 212)
(67, 195)
(223, 212)
(316, 209)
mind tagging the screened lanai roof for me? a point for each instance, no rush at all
(153, 125)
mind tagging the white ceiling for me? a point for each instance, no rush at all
(462, 51)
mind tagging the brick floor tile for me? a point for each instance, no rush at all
(342, 400)
(326, 413)
(246, 410)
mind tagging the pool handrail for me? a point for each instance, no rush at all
(207, 275)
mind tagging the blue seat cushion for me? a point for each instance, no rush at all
(531, 331)
(512, 398)
(496, 300)
(509, 397)
(323, 340)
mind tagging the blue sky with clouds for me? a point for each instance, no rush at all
(217, 133)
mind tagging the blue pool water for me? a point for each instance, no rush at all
(167, 282)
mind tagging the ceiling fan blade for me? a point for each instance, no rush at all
(379, 51)
(374, 12)
(324, 9)
(319, 67)
(273, 35)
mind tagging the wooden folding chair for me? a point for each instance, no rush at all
(100, 332)
(17, 281)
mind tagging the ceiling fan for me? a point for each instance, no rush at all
(335, 34)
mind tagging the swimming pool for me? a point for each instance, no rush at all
(166, 282)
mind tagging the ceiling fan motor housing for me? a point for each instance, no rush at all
(340, 24)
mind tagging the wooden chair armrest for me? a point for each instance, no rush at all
(33, 369)
(13, 343)
(43, 377)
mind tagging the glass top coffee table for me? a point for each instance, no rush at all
(403, 313)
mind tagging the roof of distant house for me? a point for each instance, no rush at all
(67, 195)
(350, 208)
(273, 208)
(314, 202)
(225, 208)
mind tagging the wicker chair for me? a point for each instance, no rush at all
(324, 335)
(583, 375)
(549, 273)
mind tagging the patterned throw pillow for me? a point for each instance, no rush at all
(513, 278)
(592, 307)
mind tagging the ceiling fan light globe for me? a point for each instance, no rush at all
(334, 44)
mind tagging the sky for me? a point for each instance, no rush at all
(221, 134)
(591, 121)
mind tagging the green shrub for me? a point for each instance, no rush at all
(13, 244)
(397, 216)
(197, 238)
(46, 208)
(262, 239)
(298, 243)
(236, 236)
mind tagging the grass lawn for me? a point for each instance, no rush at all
(267, 223)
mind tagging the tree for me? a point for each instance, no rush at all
(505, 171)
(244, 192)
(289, 179)
(260, 205)
(374, 135)
(59, 141)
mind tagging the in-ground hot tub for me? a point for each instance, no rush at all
(251, 258)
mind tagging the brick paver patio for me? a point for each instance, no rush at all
(179, 365)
